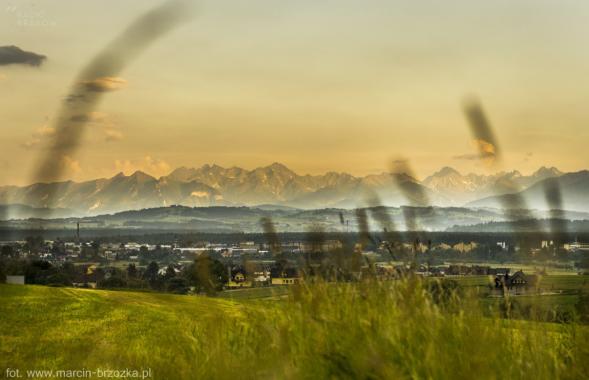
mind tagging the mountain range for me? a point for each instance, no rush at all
(213, 185)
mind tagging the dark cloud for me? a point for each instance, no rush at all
(483, 136)
(105, 84)
(13, 55)
(80, 118)
(71, 98)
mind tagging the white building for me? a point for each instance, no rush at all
(15, 280)
(576, 247)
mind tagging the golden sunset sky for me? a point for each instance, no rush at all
(319, 85)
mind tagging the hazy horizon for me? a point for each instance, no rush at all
(248, 83)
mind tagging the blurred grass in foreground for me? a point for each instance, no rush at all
(369, 330)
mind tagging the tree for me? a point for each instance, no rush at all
(583, 263)
(7, 251)
(114, 281)
(582, 305)
(2, 270)
(207, 274)
(36, 272)
(58, 247)
(150, 273)
(34, 243)
(170, 272)
(69, 270)
(95, 245)
(178, 285)
(58, 279)
(131, 270)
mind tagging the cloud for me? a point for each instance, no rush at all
(13, 55)
(111, 135)
(39, 136)
(485, 148)
(45, 131)
(90, 117)
(486, 152)
(66, 163)
(399, 161)
(31, 143)
(112, 131)
(104, 84)
(475, 156)
(147, 164)
(467, 157)
(69, 165)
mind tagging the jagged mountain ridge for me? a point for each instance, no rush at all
(470, 187)
(275, 184)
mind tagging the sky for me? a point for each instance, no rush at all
(319, 85)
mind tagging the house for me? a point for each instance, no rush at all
(238, 279)
(285, 276)
(88, 277)
(517, 281)
(88, 284)
(164, 270)
(457, 270)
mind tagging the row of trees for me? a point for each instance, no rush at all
(204, 275)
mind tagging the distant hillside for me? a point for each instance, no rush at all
(574, 188)
(546, 225)
(247, 219)
(19, 211)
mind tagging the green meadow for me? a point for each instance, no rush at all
(368, 330)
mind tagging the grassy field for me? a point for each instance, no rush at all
(550, 268)
(270, 293)
(368, 330)
(547, 282)
(559, 301)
